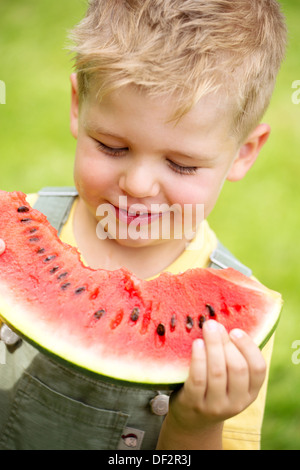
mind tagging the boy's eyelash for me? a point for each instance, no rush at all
(115, 152)
(182, 170)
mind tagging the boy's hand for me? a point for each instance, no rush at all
(2, 246)
(226, 374)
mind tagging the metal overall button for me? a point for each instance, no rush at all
(8, 336)
(160, 404)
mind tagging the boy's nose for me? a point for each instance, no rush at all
(140, 182)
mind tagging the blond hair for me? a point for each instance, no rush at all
(185, 48)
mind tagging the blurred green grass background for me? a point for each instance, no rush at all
(257, 218)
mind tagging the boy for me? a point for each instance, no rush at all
(166, 105)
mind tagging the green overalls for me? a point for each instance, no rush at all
(45, 405)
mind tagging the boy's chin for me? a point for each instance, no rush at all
(138, 240)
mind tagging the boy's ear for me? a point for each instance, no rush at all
(249, 152)
(74, 106)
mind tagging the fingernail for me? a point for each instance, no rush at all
(198, 343)
(212, 325)
(237, 333)
(198, 346)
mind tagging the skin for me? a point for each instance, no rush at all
(227, 370)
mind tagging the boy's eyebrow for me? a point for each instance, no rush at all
(197, 156)
(107, 132)
(102, 130)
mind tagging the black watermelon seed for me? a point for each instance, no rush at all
(34, 239)
(33, 230)
(135, 314)
(25, 221)
(99, 314)
(41, 250)
(189, 323)
(79, 290)
(23, 209)
(53, 270)
(65, 286)
(211, 310)
(161, 330)
(202, 319)
(173, 321)
(49, 258)
(62, 275)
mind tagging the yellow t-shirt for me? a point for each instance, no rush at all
(243, 431)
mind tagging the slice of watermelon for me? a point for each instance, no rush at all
(109, 322)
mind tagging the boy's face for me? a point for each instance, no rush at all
(127, 146)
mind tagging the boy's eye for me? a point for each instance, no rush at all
(182, 170)
(115, 152)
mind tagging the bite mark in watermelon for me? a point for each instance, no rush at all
(111, 323)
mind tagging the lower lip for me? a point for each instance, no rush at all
(143, 219)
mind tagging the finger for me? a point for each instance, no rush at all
(254, 358)
(213, 334)
(2, 246)
(196, 383)
(237, 374)
(237, 371)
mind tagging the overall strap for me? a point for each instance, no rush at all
(55, 203)
(221, 258)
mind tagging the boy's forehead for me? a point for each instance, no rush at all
(135, 104)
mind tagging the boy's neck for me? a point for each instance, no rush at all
(144, 262)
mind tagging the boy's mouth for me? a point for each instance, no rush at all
(130, 215)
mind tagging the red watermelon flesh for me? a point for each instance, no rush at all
(109, 322)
